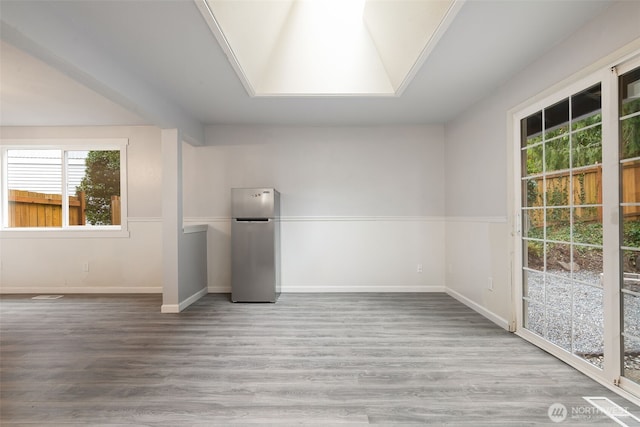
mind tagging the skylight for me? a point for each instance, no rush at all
(327, 47)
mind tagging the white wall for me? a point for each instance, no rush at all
(361, 207)
(401, 31)
(479, 221)
(192, 266)
(118, 264)
(252, 29)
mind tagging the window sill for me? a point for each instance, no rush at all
(35, 233)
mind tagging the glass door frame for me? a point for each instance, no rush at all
(611, 373)
(624, 383)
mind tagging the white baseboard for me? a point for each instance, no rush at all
(219, 289)
(177, 308)
(81, 290)
(193, 298)
(170, 308)
(503, 323)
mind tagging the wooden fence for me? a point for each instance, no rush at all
(631, 189)
(586, 189)
(30, 209)
(115, 210)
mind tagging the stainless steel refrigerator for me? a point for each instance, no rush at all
(255, 245)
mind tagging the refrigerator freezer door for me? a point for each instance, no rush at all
(252, 202)
(253, 265)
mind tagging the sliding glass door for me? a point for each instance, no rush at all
(629, 116)
(579, 233)
(561, 156)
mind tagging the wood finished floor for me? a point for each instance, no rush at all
(321, 359)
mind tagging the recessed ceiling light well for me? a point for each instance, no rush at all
(327, 47)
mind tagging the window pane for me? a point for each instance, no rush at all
(631, 227)
(630, 137)
(587, 186)
(532, 188)
(556, 120)
(534, 318)
(34, 183)
(558, 224)
(559, 294)
(588, 343)
(587, 228)
(630, 92)
(631, 331)
(559, 329)
(631, 313)
(557, 193)
(558, 258)
(588, 305)
(629, 105)
(534, 286)
(587, 265)
(532, 129)
(587, 147)
(631, 182)
(94, 182)
(631, 268)
(75, 173)
(631, 358)
(585, 108)
(556, 155)
(532, 223)
(534, 254)
(532, 160)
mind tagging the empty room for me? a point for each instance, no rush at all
(278, 212)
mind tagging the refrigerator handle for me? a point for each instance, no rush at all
(253, 219)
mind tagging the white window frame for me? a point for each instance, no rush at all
(66, 231)
(622, 68)
(557, 96)
(605, 72)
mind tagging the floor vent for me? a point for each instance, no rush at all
(48, 297)
(617, 413)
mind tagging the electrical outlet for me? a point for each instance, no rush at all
(490, 283)
(85, 267)
(419, 268)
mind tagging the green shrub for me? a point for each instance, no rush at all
(631, 234)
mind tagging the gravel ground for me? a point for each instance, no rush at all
(567, 299)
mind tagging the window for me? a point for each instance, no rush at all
(63, 185)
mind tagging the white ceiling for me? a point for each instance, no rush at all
(159, 61)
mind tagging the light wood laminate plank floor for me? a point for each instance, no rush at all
(321, 359)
